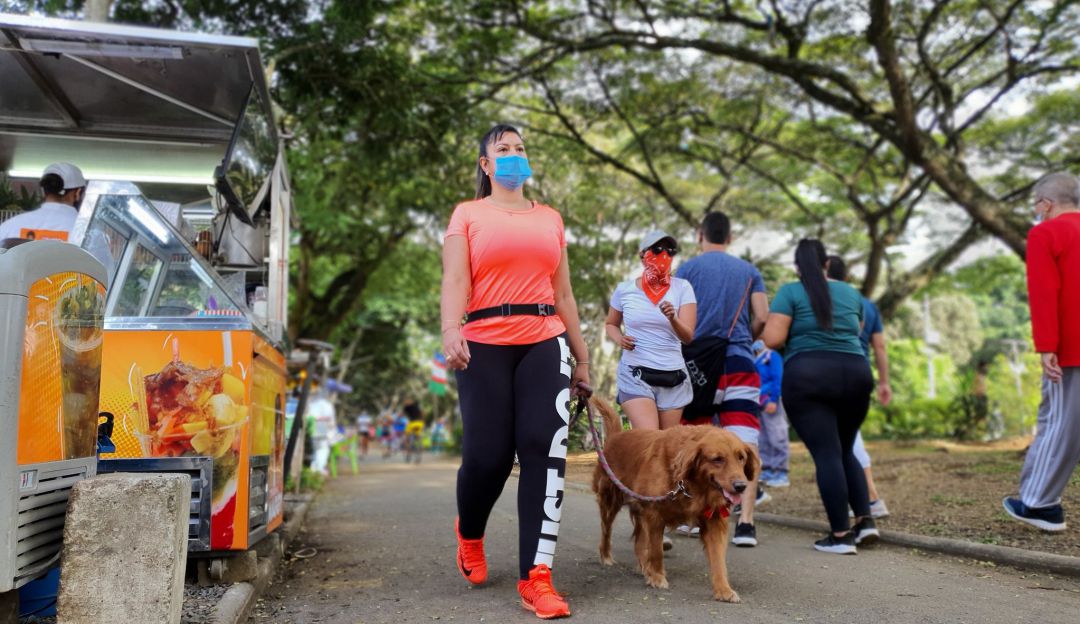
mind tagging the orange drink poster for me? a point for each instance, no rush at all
(186, 394)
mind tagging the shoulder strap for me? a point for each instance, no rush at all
(742, 304)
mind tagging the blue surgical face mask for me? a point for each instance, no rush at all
(512, 171)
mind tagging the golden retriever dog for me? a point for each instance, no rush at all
(715, 468)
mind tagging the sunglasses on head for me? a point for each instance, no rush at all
(659, 248)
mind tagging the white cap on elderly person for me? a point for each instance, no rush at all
(69, 173)
(654, 237)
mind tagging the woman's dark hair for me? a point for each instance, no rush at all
(837, 269)
(483, 183)
(52, 184)
(810, 260)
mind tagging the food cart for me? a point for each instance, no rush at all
(188, 208)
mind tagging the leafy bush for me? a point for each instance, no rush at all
(910, 420)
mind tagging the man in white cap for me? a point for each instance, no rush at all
(63, 186)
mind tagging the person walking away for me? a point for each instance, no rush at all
(414, 431)
(871, 337)
(323, 414)
(1053, 267)
(774, 447)
(367, 431)
(731, 304)
(505, 263)
(826, 388)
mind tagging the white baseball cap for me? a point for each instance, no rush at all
(69, 173)
(654, 237)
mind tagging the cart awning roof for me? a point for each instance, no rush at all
(117, 91)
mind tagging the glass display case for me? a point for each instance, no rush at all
(153, 271)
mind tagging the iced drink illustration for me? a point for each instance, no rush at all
(187, 411)
(78, 319)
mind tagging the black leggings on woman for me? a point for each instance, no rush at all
(515, 398)
(826, 395)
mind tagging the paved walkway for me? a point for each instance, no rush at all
(385, 545)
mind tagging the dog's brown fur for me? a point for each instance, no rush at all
(708, 460)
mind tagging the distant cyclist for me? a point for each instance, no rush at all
(414, 431)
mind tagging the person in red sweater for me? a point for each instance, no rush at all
(1053, 271)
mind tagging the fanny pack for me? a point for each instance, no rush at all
(661, 378)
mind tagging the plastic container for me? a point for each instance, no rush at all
(38, 597)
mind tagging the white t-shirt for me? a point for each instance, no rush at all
(51, 220)
(54, 221)
(656, 345)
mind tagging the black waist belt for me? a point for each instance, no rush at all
(511, 309)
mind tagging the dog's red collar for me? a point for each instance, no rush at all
(712, 511)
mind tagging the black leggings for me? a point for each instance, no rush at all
(515, 398)
(826, 395)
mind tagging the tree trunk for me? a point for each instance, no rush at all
(97, 10)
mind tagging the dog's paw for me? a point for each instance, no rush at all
(728, 596)
(607, 560)
(657, 581)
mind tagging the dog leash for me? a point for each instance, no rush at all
(583, 394)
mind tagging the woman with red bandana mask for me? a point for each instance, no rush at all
(651, 317)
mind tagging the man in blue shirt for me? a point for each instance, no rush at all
(731, 303)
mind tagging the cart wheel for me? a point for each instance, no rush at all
(217, 569)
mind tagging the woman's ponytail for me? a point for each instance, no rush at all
(810, 260)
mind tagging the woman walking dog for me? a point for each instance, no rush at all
(505, 263)
(826, 388)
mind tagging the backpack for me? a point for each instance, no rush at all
(706, 361)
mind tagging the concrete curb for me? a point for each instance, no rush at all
(1006, 555)
(236, 604)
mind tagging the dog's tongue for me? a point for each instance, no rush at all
(734, 499)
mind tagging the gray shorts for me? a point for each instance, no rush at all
(631, 387)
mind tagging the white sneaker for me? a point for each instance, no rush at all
(667, 543)
(688, 531)
(877, 510)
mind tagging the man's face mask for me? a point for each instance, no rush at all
(81, 195)
(512, 171)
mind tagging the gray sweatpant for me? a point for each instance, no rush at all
(773, 443)
(1056, 450)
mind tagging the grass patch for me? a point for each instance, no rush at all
(952, 501)
(996, 467)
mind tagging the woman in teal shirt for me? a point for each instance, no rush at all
(826, 388)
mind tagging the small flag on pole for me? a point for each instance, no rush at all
(437, 385)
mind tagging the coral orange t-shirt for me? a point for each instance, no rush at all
(513, 256)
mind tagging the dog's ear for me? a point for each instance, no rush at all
(752, 464)
(686, 460)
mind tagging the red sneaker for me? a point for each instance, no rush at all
(471, 561)
(539, 596)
